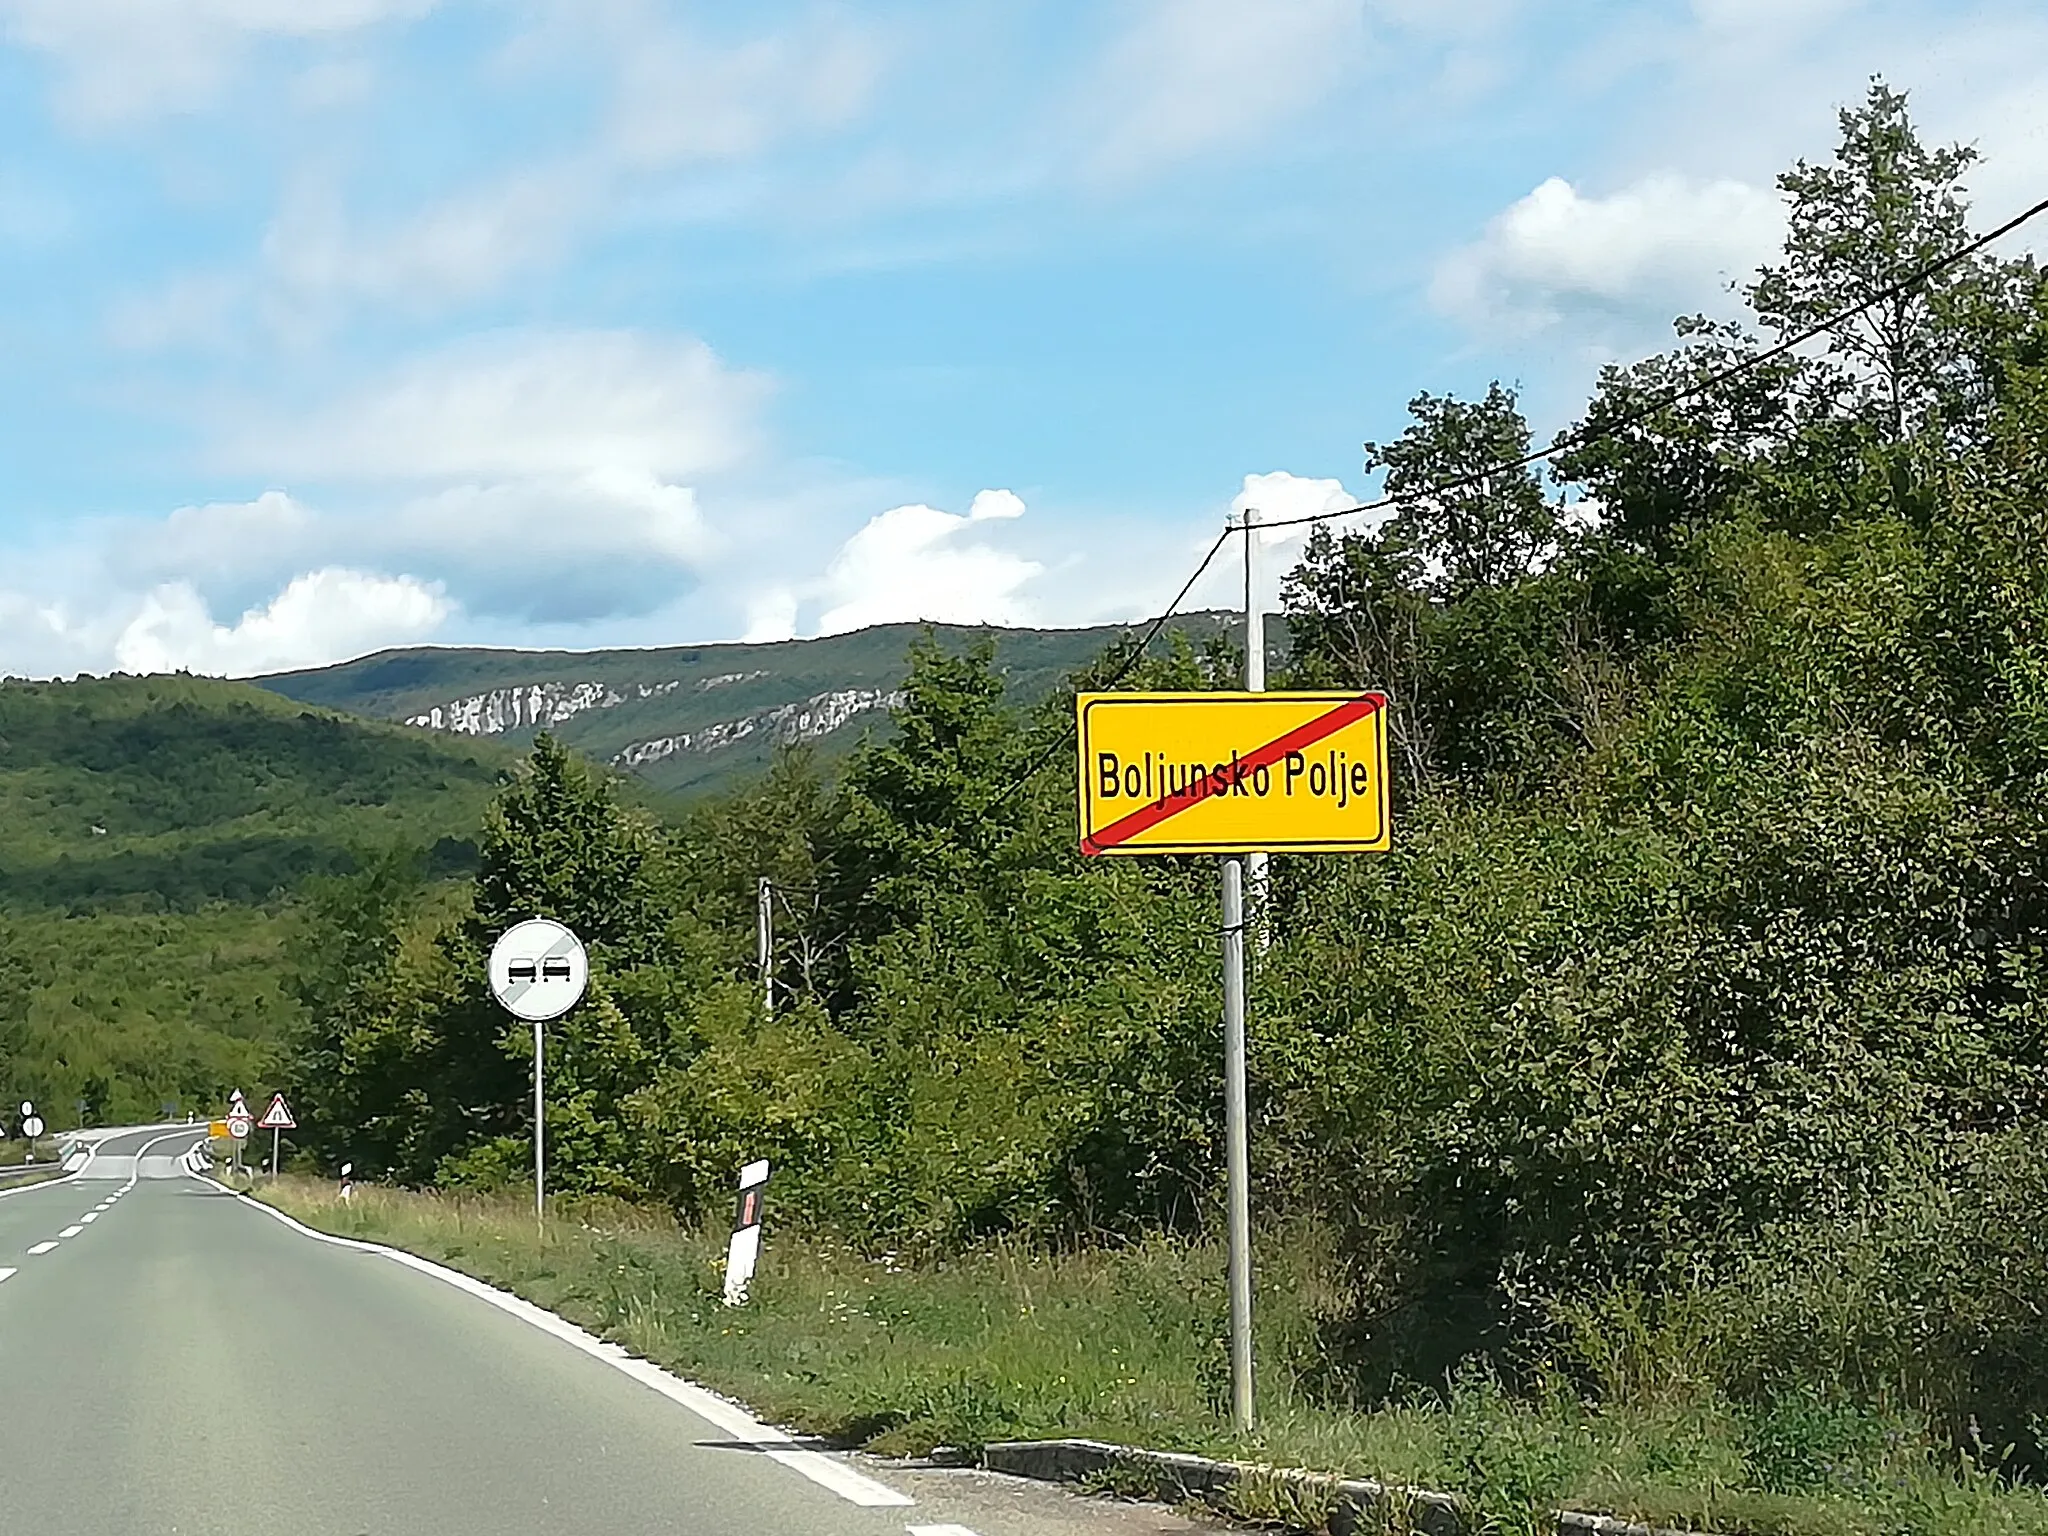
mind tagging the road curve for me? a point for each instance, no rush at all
(184, 1364)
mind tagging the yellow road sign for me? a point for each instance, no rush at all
(1233, 772)
(218, 1130)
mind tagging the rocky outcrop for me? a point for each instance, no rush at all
(534, 706)
(805, 720)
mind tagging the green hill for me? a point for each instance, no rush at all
(689, 717)
(151, 832)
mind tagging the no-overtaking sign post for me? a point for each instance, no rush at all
(538, 970)
(1234, 774)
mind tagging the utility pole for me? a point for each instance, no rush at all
(1257, 869)
(1237, 1193)
(764, 941)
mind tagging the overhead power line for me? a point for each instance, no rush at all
(1563, 444)
(1670, 398)
(1059, 745)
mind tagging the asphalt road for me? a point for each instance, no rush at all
(176, 1360)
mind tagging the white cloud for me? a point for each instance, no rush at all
(1189, 77)
(320, 617)
(679, 97)
(917, 562)
(1659, 246)
(545, 550)
(521, 405)
(1280, 497)
(675, 99)
(545, 478)
(129, 59)
(316, 259)
(771, 615)
(555, 549)
(190, 309)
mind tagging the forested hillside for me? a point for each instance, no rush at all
(687, 718)
(1691, 1046)
(152, 833)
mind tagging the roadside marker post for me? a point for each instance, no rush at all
(538, 970)
(744, 1251)
(1235, 774)
(276, 1118)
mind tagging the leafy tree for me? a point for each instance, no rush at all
(1884, 211)
(1475, 523)
(1661, 470)
(1357, 614)
(558, 844)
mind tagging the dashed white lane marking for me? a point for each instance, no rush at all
(4, 1273)
(832, 1475)
(89, 1217)
(71, 1231)
(42, 1247)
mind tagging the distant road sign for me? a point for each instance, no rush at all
(278, 1117)
(27, 1109)
(239, 1126)
(1233, 772)
(538, 969)
(32, 1127)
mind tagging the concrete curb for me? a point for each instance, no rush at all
(1346, 1506)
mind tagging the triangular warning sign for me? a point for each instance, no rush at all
(277, 1117)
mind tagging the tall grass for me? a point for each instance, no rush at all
(1126, 1344)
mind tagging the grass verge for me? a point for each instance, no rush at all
(1126, 1345)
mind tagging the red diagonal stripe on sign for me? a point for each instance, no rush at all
(1307, 734)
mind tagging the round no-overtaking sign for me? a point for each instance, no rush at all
(538, 969)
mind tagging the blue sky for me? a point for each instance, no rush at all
(336, 324)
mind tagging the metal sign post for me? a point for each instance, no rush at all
(1235, 774)
(277, 1118)
(538, 971)
(240, 1124)
(1237, 1150)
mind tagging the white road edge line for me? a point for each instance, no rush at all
(92, 1150)
(835, 1477)
(42, 1248)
